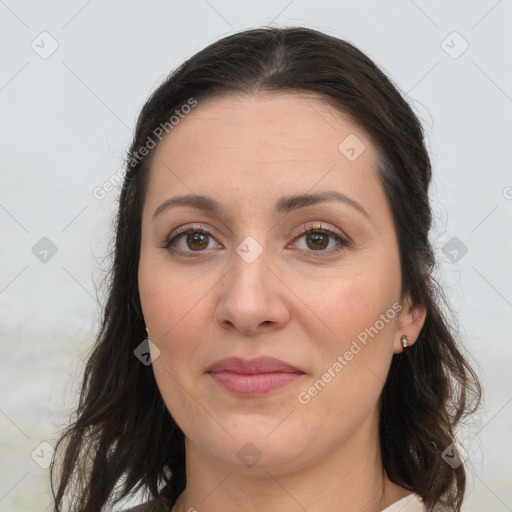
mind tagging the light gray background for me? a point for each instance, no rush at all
(66, 123)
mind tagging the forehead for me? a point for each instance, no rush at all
(262, 146)
(293, 125)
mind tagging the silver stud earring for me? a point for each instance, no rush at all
(404, 341)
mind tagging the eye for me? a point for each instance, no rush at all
(189, 240)
(317, 237)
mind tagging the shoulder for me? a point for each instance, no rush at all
(412, 503)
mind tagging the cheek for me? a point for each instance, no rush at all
(176, 326)
(172, 310)
(175, 310)
(348, 304)
(172, 302)
(354, 357)
(177, 389)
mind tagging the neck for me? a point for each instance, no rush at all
(349, 477)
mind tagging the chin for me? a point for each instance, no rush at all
(256, 443)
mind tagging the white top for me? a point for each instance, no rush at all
(411, 503)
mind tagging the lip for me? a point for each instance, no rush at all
(263, 364)
(253, 377)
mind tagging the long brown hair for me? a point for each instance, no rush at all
(122, 438)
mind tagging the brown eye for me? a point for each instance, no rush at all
(189, 240)
(197, 241)
(317, 241)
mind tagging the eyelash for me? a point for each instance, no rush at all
(343, 242)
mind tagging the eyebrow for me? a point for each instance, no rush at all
(284, 205)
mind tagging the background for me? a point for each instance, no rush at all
(73, 78)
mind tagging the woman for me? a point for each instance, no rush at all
(272, 243)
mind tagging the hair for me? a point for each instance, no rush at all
(122, 439)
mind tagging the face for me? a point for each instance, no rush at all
(258, 270)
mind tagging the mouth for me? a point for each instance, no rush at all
(253, 377)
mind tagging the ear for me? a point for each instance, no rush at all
(409, 323)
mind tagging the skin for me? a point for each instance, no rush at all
(298, 301)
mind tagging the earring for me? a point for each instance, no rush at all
(404, 341)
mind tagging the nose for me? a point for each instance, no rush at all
(252, 298)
